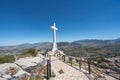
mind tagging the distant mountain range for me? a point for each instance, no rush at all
(17, 49)
(94, 42)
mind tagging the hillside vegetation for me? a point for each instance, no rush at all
(7, 59)
(104, 51)
(11, 58)
(30, 52)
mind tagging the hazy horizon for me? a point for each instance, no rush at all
(51, 42)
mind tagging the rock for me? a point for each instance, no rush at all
(30, 61)
(21, 67)
(31, 64)
(6, 73)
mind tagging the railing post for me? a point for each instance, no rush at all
(64, 58)
(71, 61)
(50, 65)
(48, 75)
(89, 67)
(80, 64)
(76, 60)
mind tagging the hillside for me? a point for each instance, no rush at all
(72, 48)
(94, 42)
(18, 49)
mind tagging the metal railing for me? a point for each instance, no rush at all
(89, 70)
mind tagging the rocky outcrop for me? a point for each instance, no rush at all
(21, 67)
(31, 64)
(11, 70)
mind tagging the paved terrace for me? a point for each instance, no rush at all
(69, 72)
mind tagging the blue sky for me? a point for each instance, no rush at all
(29, 21)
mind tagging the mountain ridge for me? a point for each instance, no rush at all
(76, 41)
(18, 49)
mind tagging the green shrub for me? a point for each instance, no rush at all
(7, 59)
(38, 77)
(61, 71)
(30, 52)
